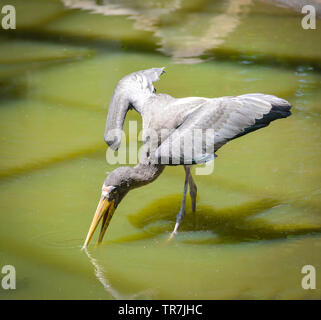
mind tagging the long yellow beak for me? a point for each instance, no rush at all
(105, 210)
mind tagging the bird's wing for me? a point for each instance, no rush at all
(218, 121)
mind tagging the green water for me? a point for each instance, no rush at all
(258, 220)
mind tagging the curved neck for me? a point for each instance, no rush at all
(115, 120)
(139, 102)
(119, 106)
(143, 174)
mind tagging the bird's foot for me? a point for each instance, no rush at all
(171, 236)
(174, 231)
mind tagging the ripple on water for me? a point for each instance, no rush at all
(58, 240)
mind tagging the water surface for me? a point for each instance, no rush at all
(258, 219)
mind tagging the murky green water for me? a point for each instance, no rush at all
(258, 220)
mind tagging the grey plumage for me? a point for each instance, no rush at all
(229, 117)
(224, 119)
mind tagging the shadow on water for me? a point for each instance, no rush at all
(212, 226)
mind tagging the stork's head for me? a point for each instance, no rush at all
(115, 187)
(130, 92)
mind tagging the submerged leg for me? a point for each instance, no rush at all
(192, 189)
(181, 213)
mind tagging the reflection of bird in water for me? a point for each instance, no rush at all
(193, 35)
(297, 5)
(225, 118)
(203, 32)
(100, 274)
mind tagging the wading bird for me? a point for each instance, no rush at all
(227, 117)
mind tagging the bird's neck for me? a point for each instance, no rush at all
(138, 107)
(142, 100)
(143, 174)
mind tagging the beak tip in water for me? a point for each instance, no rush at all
(105, 210)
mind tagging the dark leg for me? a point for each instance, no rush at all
(181, 213)
(192, 189)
